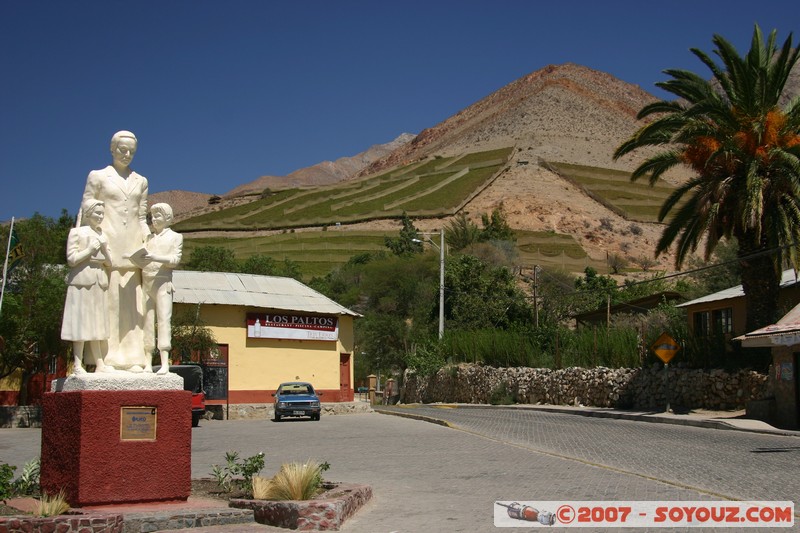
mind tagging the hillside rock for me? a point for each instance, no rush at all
(566, 113)
(180, 201)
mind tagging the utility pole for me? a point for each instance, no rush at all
(441, 275)
(535, 297)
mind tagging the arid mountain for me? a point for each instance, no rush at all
(565, 113)
(180, 201)
(562, 113)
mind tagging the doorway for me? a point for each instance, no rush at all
(345, 387)
(215, 380)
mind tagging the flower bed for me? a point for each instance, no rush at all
(328, 511)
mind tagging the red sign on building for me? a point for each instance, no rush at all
(292, 326)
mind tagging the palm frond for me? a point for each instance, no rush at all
(686, 85)
(662, 106)
(717, 73)
(657, 165)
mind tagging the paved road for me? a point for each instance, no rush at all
(731, 464)
(428, 477)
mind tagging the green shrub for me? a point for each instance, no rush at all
(228, 475)
(6, 485)
(426, 360)
(28, 481)
(502, 396)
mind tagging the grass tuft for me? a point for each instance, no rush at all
(52, 505)
(294, 481)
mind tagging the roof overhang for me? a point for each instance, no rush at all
(785, 332)
(249, 290)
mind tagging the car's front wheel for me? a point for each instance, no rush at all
(277, 417)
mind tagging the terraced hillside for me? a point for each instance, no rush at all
(319, 251)
(635, 201)
(438, 187)
(320, 228)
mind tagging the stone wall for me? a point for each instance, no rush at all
(79, 523)
(31, 415)
(626, 388)
(255, 411)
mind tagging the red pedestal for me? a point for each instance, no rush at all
(89, 450)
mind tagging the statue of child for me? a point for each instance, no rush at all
(164, 248)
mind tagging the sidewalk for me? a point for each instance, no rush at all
(734, 420)
(696, 417)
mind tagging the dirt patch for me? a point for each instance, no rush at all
(208, 488)
(6, 510)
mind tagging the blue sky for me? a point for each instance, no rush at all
(220, 93)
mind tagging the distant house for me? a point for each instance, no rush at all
(639, 306)
(724, 312)
(269, 330)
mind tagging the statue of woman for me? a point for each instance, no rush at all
(85, 320)
(124, 193)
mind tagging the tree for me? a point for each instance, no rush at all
(190, 335)
(406, 243)
(399, 306)
(30, 329)
(461, 232)
(482, 296)
(289, 269)
(744, 149)
(212, 259)
(617, 262)
(259, 264)
(496, 228)
(594, 290)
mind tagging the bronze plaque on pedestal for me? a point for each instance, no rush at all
(138, 423)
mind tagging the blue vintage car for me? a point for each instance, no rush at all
(296, 398)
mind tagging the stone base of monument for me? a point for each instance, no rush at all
(127, 440)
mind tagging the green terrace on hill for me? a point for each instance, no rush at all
(317, 252)
(613, 188)
(437, 187)
(553, 250)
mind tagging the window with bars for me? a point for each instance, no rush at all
(717, 322)
(723, 320)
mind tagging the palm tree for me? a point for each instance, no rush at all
(744, 151)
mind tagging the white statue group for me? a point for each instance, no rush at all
(118, 308)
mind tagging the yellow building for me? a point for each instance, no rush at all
(269, 330)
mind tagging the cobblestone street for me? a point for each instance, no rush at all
(429, 477)
(733, 464)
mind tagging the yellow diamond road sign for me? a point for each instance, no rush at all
(665, 348)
